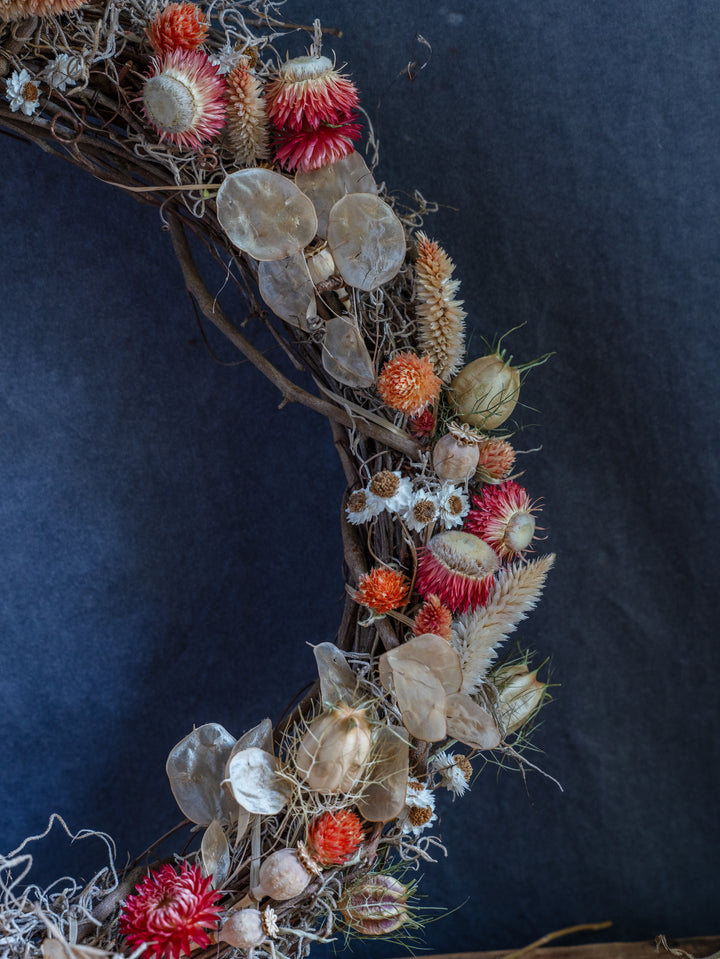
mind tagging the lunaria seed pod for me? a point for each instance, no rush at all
(376, 905)
(366, 240)
(283, 875)
(334, 750)
(485, 392)
(455, 455)
(247, 928)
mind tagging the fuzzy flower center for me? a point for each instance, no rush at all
(357, 501)
(424, 510)
(385, 484)
(420, 815)
(475, 564)
(455, 505)
(30, 91)
(463, 764)
(170, 103)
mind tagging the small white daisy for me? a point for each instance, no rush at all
(64, 71)
(226, 59)
(421, 511)
(454, 505)
(22, 93)
(454, 772)
(360, 508)
(389, 490)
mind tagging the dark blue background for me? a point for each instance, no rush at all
(170, 540)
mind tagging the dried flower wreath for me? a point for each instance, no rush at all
(302, 827)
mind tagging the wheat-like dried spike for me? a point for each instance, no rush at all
(247, 123)
(477, 634)
(441, 326)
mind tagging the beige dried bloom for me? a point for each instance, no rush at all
(440, 316)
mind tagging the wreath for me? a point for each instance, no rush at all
(312, 827)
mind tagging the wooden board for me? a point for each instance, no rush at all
(700, 947)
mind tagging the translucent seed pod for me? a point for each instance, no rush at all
(330, 183)
(345, 356)
(287, 288)
(366, 239)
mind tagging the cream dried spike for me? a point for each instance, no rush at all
(440, 316)
(479, 633)
(247, 123)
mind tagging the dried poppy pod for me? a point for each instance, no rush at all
(265, 214)
(248, 928)
(455, 455)
(284, 875)
(366, 239)
(333, 752)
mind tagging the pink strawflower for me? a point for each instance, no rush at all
(310, 93)
(496, 457)
(422, 425)
(503, 518)
(171, 913)
(457, 568)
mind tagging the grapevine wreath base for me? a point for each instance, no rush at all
(310, 830)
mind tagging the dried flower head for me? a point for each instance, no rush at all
(433, 617)
(315, 147)
(20, 9)
(441, 326)
(184, 98)
(458, 568)
(335, 837)
(23, 93)
(361, 507)
(382, 590)
(503, 518)
(170, 912)
(388, 490)
(180, 26)
(310, 93)
(422, 425)
(497, 458)
(419, 812)
(455, 772)
(64, 70)
(422, 510)
(454, 505)
(246, 119)
(375, 905)
(408, 383)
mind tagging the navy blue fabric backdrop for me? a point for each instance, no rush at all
(170, 539)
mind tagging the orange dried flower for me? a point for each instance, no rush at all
(408, 383)
(180, 26)
(334, 837)
(433, 618)
(496, 458)
(382, 590)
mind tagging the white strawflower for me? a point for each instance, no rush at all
(421, 510)
(454, 505)
(360, 508)
(454, 772)
(389, 490)
(419, 811)
(64, 71)
(226, 59)
(22, 93)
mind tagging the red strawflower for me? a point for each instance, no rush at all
(170, 913)
(458, 568)
(382, 590)
(334, 837)
(180, 26)
(313, 147)
(422, 425)
(408, 383)
(433, 617)
(503, 518)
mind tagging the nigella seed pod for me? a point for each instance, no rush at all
(334, 750)
(455, 455)
(521, 693)
(282, 876)
(376, 905)
(485, 392)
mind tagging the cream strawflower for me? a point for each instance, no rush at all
(419, 811)
(421, 511)
(454, 772)
(454, 505)
(23, 93)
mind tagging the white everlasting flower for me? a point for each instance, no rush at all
(226, 59)
(360, 508)
(22, 93)
(454, 505)
(454, 772)
(64, 71)
(389, 490)
(421, 510)
(419, 811)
